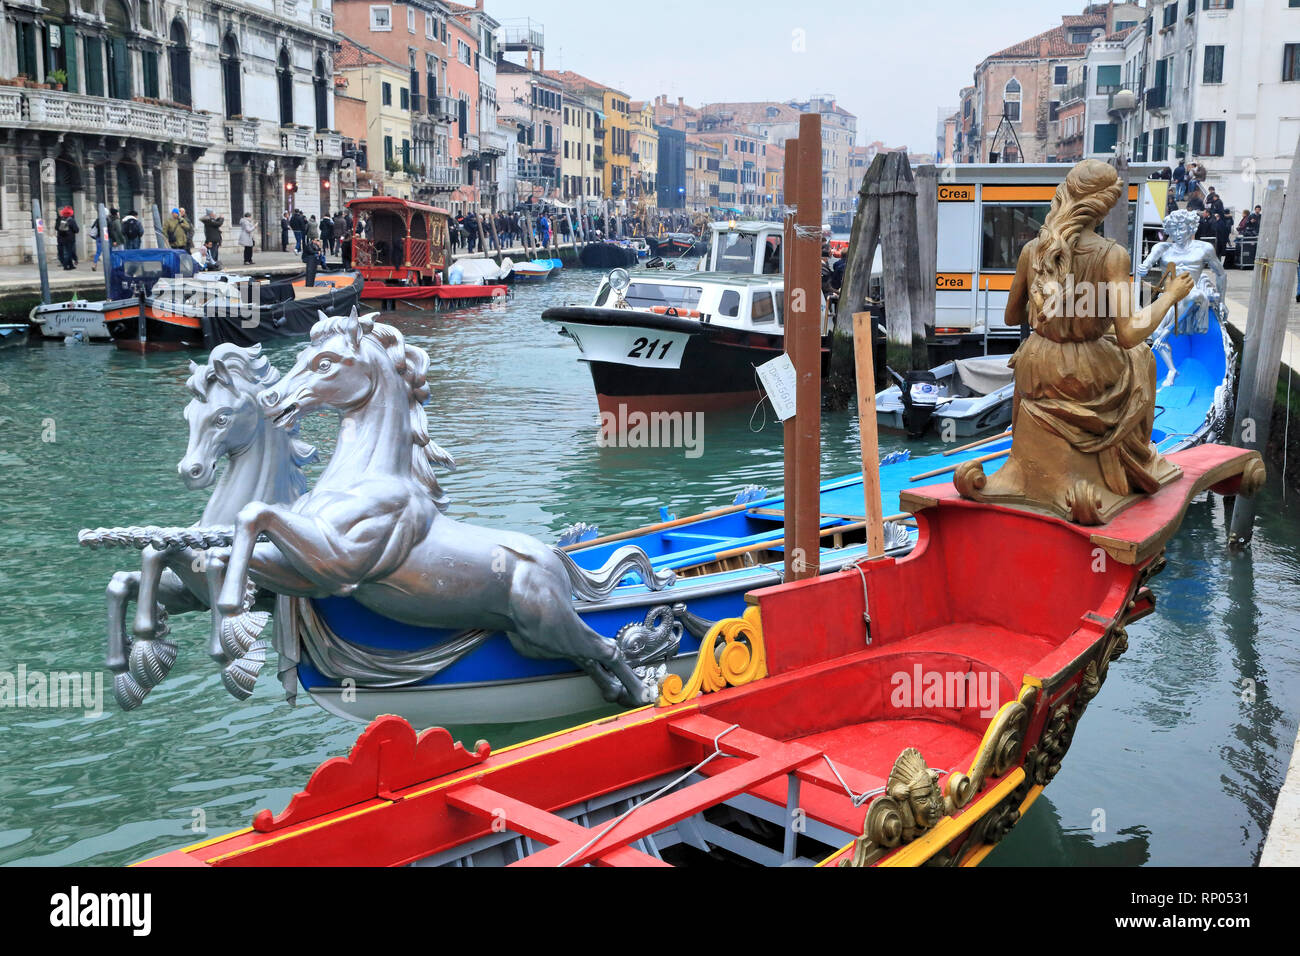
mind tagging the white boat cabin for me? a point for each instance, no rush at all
(754, 303)
(752, 248)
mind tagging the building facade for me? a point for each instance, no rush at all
(645, 155)
(1218, 83)
(137, 103)
(671, 181)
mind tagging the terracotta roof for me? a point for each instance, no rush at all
(1051, 43)
(569, 78)
(353, 55)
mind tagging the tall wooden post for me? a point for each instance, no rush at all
(803, 324)
(789, 253)
(868, 436)
(927, 244)
(1279, 272)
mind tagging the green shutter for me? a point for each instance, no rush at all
(26, 36)
(120, 86)
(149, 67)
(94, 67)
(70, 55)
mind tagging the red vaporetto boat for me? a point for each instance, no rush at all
(839, 722)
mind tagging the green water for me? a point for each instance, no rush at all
(1184, 769)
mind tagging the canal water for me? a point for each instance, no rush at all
(1178, 761)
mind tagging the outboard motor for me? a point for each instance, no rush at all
(919, 391)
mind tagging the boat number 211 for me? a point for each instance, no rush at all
(642, 348)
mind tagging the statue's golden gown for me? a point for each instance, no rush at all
(1074, 380)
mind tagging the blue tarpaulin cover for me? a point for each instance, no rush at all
(175, 262)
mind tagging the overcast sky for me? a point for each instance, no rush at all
(893, 63)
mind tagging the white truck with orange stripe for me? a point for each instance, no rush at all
(986, 214)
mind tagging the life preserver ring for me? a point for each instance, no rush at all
(675, 312)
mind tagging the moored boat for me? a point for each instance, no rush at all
(203, 310)
(130, 273)
(667, 342)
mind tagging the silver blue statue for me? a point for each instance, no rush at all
(1183, 254)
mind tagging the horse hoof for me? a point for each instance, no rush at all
(150, 662)
(127, 691)
(239, 633)
(240, 676)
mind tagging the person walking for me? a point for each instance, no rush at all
(313, 228)
(212, 225)
(99, 244)
(298, 223)
(246, 229)
(115, 237)
(327, 233)
(65, 237)
(1222, 233)
(132, 230)
(285, 229)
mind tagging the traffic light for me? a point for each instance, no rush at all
(325, 185)
(290, 186)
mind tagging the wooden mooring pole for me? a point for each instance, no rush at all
(868, 436)
(803, 342)
(1255, 396)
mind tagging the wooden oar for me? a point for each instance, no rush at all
(944, 471)
(868, 438)
(986, 440)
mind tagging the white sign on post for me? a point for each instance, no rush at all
(778, 380)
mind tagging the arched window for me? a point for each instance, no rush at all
(178, 59)
(146, 16)
(1011, 100)
(118, 53)
(284, 80)
(322, 100)
(231, 77)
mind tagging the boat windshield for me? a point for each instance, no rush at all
(735, 252)
(650, 295)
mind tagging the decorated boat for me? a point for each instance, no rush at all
(677, 245)
(838, 722)
(403, 257)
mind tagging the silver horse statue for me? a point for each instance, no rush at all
(265, 464)
(374, 527)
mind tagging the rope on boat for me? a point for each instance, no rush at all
(717, 752)
(161, 538)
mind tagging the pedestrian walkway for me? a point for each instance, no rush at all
(1240, 283)
(1282, 846)
(26, 279)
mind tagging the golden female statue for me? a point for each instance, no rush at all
(1085, 379)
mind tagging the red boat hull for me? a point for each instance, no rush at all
(815, 728)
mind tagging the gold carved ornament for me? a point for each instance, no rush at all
(913, 804)
(737, 658)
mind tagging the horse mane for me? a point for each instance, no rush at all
(249, 372)
(412, 364)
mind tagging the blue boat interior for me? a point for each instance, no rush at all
(708, 544)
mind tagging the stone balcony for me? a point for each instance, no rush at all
(31, 108)
(296, 140)
(470, 144)
(493, 143)
(242, 133)
(438, 178)
(329, 144)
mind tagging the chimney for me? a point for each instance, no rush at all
(478, 5)
(680, 102)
